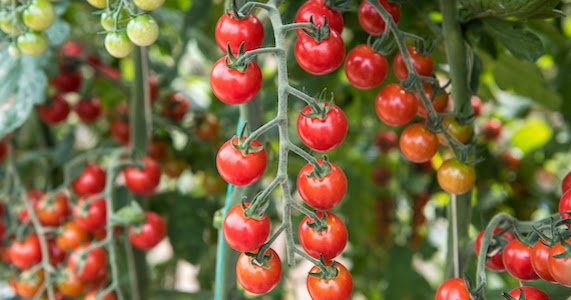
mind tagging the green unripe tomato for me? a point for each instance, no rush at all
(13, 50)
(33, 43)
(39, 15)
(118, 44)
(149, 4)
(108, 20)
(7, 22)
(143, 30)
(98, 3)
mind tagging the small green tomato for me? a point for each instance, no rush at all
(143, 30)
(149, 5)
(118, 44)
(39, 15)
(108, 20)
(33, 43)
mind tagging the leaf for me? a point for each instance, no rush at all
(64, 149)
(522, 9)
(58, 32)
(521, 42)
(533, 134)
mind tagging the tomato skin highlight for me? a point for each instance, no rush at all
(324, 193)
(150, 234)
(423, 64)
(258, 279)
(560, 268)
(249, 31)
(329, 242)
(238, 169)
(319, 58)
(318, 11)
(453, 289)
(395, 106)
(338, 288)
(540, 261)
(224, 81)
(494, 263)
(323, 135)
(456, 177)
(517, 260)
(530, 293)
(242, 233)
(371, 20)
(417, 143)
(365, 68)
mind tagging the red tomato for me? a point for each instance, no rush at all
(157, 149)
(238, 169)
(365, 68)
(386, 141)
(530, 293)
(242, 233)
(417, 143)
(517, 260)
(492, 129)
(88, 110)
(176, 106)
(54, 111)
(28, 287)
(453, 289)
(120, 131)
(256, 278)
(322, 193)
(494, 263)
(72, 49)
(94, 264)
(462, 132)
(439, 101)
(319, 58)
(70, 285)
(34, 196)
(423, 64)
(57, 254)
(92, 216)
(230, 30)
(338, 288)
(381, 176)
(150, 233)
(154, 89)
(143, 181)
(3, 151)
(2, 229)
(93, 296)
(322, 135)
(540, 261)
(456, 177)
(565, 183)
(329, 242)
(98, 283)
(395, 106)
(91, 181)
(224, 80)
(476, 105)
(27, 253)
(318, 11)
(560, 268)
(370, 19)
(173, 167)
(54, 212)
(72, 236)
(565, 205)
(208, 128)
(67, 81)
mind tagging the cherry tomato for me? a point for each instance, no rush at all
(157, 149)
(329, 242)
(338, 288)
(224, 80)
(456, 177)
(120, 131)
(365, 68)
(476, 105)
(143, 181)
(113, 19)
(34, 196)
(462, 132)
(176, 106)
(540, 261)
(238, 169)
(371, 20)
(3, 151)
(494, 263)
(39, 15)
(395, 106)
(28, 284)
(98, 3)
(72, 236)
(318, 11)
(417, 143)
(70, 285)
(439, 101)
(565, 205)
(143, 30)
(517, 260)
(208, 128)
(173, 167)
(560, 268)
(319, 58)
(33, 43)
(95, 263)
(511, 160)
(88, 110)
(72, 49)
(423, 64)
(322, 135)
(386, 141)
(150, 234)
(242, 233)
(233, 31)
(57, 255)
(491, 129)
(566, 183)
(93, 296)
(256, 278)
(118, 44)
(381, 176)
(530, 293)
(148, 5)
(67, 81)
(324, 193)
(154, 89)
(54, 212)
(27, 253)
(91, 181)
(2, 229)
(453, 289)
(212, 184)
(54, 111)
(92, 216)
(98, 283)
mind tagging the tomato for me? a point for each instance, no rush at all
(54, 111)
(386, 141)
(3, 151)
(318, 11)
(256, 278)
(322, 135)
(39, 15)
(27, 253)
(511, 160)
(28, 284)
(329, 242)
(517, 260)
(174, 167)
(565, 205)
(233, 31)
(529, 292)
(338, 288)
(157, 149)
(120, 131)
(72, 49)
(93, 296)
(149, 5)
(67, 81)
(150, 234)
(7, 23)
(381, 176)
(560, 268)
(453, 289)
(324, 193)
(212, 184)
(371, 20)
(56, 254)
(54, 212)
(95, 263)
(365, 68)
(71, 236)
(118, 44)
(91, 181)
(70, 285)
(491, 129)
(176, 106)
(462, 132)
(154, 89)
(395, 106)
(242, 233)
(92, 216)
(98, 3)
(2, 229)
(98, 283)
(476, 105)
(417, 143)
(319, 58)
(108, 19)
(238, 169)
(439, 101)
(223, 81)
(143, 30)
(34, 196)
(495, 262)
(423, 64)
(540, 261)
(456, 177)
(88, 110)
(33, 43)
(208, 128)
(565, 183)
(143, 181)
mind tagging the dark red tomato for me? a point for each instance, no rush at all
(417, 143)
(256, 278)
(92, 216)
(176, 106)
(248, 30)
(242, 233)
(28, 287)
(530, 293)
(565, 205)
(371, 20)
(150, 233)
(67, 81)
(238, 169)
(208, 128)
(27, 253)
(365, 68)
(70, 285)
(494, 263)
(386, 141)
(88, 110)
(462, 132)
(517, 260)
(93, 295)
(381, 176)
(71, 237)
(329, 242)
(322, 135)
(72, 49)
(511, 160)
(2, 229)
(57, 254)
(423, 64)
(224, 80)
(565, 183)
(319, 58)
(173, 167)
(154, 89)
(34, 196)
(492, 129)
(395, 106)
(453, 289)
(54, 111)
(456, 177)
(3, 151)
(54, 212)
(120, 131)
(95, 263)
(98, 283)
(439, 101)
(145, 180)
(540, 261)
(476, 105)
(338, 288)
(560, 268)
(324, 193)
(157, 149)
(318, 11)
(91, 181)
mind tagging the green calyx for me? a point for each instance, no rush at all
(321, 170)
(260, 259)
(318, 33)
(237, 62)
(243, 144)
(257, 208)
(326, 272)
(320, 108)
(318, 223)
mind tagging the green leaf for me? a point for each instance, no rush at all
(532, 135)
(521, 42)
(522, 9)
